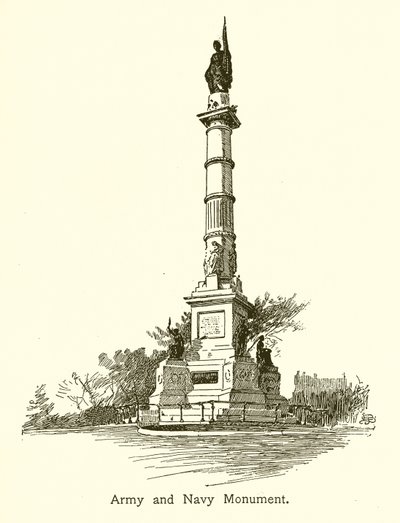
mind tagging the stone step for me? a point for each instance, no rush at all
(235, 418)
(253, 423)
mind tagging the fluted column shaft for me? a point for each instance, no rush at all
(220, 120)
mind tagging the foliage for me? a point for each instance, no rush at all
(89, 391)
(330, 406)
(359, 399)
(39, 409)
(272, 317)
(101, 415)
(128, 381)
(131, 374)
(163, 338)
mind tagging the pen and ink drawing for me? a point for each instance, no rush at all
(213, 384)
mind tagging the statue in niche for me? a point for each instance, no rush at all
(219, 72)
(242, 334)
(213, 259)
(177, 345)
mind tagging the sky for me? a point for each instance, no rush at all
(102, 207)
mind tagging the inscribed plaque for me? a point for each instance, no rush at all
(200, 378)
(211, 324)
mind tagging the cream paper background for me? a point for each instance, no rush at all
(102, 219)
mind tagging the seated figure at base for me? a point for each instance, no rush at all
(263, 354)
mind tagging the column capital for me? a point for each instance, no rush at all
(225, 115)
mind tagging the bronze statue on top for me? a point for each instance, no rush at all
(219, 72)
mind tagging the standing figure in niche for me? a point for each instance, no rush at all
(213, 259)
(241, 339)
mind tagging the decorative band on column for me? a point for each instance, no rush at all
(213, 234)
(219, 159)
(223, 127)
(219, 195)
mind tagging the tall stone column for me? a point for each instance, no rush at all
(219, 308)
(220, 250)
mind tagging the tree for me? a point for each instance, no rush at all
(89, 391)
(359, 399)
(272, 317)
(39, 409)
(132, 374)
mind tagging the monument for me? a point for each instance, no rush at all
(217, 369)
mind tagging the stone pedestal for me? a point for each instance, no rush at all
(245, 383)
(269, 381)
(175, 383)
(245, 396)
(217, 315)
